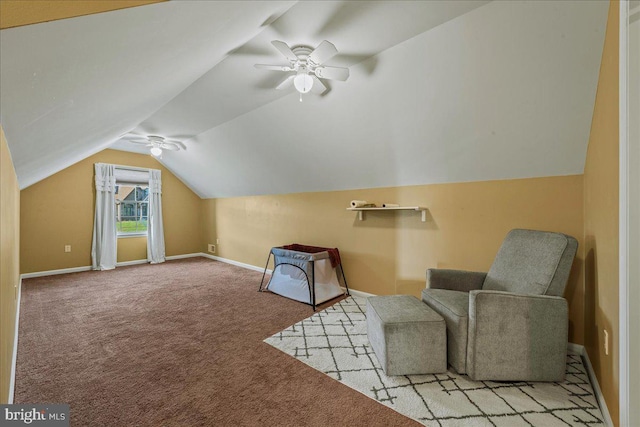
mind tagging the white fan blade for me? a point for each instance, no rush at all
(325, 50)
(332, 73)
(286, 83)
(274, 67)
(318, 87)
(169, 146)
(131, 136)
(178, 143)
(285, 50)
(141, 142)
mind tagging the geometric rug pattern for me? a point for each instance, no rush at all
(334, 341)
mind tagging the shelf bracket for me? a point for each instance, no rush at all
(424, 216)
(361, 215)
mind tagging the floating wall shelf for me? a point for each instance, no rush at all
(361, 211)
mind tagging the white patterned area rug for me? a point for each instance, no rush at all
(334, 341)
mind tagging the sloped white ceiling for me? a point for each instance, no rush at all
(69, 88)
(439, 92)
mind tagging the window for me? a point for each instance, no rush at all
(132, 209)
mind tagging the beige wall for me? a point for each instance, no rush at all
(389, 252)
(601, 222)
(59, 211)
(14, 13)
(9, 262)
(132, 248)
(209, 229)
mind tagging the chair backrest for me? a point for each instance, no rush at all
(532, 262)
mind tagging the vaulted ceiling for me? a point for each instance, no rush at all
(440, 91)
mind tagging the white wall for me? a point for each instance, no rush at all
(504, 91)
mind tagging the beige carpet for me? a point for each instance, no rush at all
(174, 344)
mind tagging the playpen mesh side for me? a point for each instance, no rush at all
(299, 259)
(294, 274)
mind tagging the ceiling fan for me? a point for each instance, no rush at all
(156, 143)
(306, 67)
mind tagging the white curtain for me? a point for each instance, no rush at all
(155, 230)
(104, 248)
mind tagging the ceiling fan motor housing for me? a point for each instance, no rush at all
(302, 52)
(308, 66)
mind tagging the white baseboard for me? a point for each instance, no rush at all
(193, 255)
(357, 293)
(134, 262)
(168, 258)
(14, 356)
(54, 272)
(89, 268)
(577, 348)
(236, 263)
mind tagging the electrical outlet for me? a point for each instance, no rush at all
(606, 342)
(212, 248)
(67, 248)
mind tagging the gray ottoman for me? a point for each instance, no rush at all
(407, 335)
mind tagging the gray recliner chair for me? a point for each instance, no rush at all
(510, 324)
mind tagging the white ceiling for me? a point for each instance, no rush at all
(439, 92)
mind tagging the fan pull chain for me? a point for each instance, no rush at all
(300, 97)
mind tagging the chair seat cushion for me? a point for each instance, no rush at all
(453, 306)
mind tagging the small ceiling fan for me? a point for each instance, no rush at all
(306, 67)
(156, 143)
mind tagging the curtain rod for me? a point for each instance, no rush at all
(132, 168)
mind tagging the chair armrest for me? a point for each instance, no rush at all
(455, 280)
(516, 337)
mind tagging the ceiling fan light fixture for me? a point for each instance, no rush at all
(303, 82)
(156, 151)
